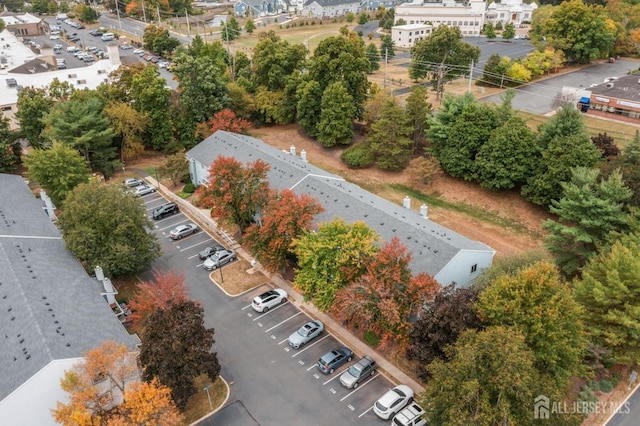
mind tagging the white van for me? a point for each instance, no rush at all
(108, 36)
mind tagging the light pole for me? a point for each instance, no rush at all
(221, 276)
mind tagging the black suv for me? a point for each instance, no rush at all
(165, 210)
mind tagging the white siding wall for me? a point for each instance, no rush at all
(459, 269)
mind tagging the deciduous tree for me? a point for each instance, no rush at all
(337, 110)
(606, 146)
(228, 121)
(230, 30)
(588, 211)
(540, 305)
(175, 168)
(58, 170)
(249, 26)
(128, 124)
(386, 295)
(308, 109)
(440, 323)
(166, 289)
(450, 54)
(176, 348)
(331, 258)
(9, 147)
(105, 226)
(148, 404)
(343, 60)
(509, 31)
(284, 218)
(274, 60)
(387, 47)
(91, 383)
(235, 193)
(33, 105)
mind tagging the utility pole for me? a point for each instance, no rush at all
(470, 76)
(186, 14)
(118, 12)
(386, 60)
(144, 15)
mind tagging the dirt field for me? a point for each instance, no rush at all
(506, 205)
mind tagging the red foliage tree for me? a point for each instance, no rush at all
(285, 217)
(167, 289)
(386, 295)
(227, 120)
(235, 193)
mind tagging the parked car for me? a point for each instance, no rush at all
(164, 64)
(61, 66)
(305, 334)
(54, 37)
(132, 182)
(334, 359)
(268, 300)
(138, 52)
(74, 38)
(183, 230)
(143, 189)
(57, 47)
(393, 401)
(89, 58)
(209, 251)
(355, 374)
(410, 416)
(126, 47)
(165, 210)
(219, 259)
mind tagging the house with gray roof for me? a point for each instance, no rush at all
(255, 8)
(52, 311)
(329, 8)
(440, 252)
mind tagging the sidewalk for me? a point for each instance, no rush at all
(345, 336)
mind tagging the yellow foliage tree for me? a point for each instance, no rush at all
(519, 72)
(147, 404)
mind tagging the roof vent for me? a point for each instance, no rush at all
(609, 85)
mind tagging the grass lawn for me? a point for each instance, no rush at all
(198, 406)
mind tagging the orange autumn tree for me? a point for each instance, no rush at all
(386, 295)
(285, 217)
(227, 120)
(166, 289)
(148, 404)
(97, 384)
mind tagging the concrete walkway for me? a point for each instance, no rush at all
(337, 330)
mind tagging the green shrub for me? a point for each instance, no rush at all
(189, 188)
(593, 386)
(606, 386)
(358, 156)
(371, 338)
(608, 361)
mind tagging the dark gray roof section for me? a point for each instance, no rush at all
(49, 307)
(626, 87)
(432, 245)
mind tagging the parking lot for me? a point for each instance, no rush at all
(271, 383)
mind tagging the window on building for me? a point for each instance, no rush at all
(411, 22)
(474, 268)
(410, 32)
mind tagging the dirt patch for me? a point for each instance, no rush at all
(507, 205)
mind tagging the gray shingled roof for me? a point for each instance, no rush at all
(327, 3)
(432, 245)
(50, 308)
(626, 87)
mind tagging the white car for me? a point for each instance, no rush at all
(138, 52)
(126, 47)
(141, 190)
(393, 401)
(269, 299)
(163, 64)
(54, 37)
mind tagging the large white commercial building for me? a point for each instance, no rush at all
(468, 16)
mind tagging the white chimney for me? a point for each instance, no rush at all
(99, 273)
(109, 290)
(406, 203)
(424, 211)
(303, 155)
(292, 150)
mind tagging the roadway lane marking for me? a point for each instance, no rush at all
(359, 387)
(307, 347)
(282, 322)
(351, 407)
(260, 324)
(270, 310)
(369, 409)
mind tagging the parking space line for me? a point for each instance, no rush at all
(369, 409)
(282, 322)
(248, 306)
(307, 347)
(331, 379)
(193, 245)
(359, 387)
(174, 225)
(313, 366)
(166, 218)
(270, 310)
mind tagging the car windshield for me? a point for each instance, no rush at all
(355, 370)
(304, 331)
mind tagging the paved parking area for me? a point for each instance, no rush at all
(270, 382)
